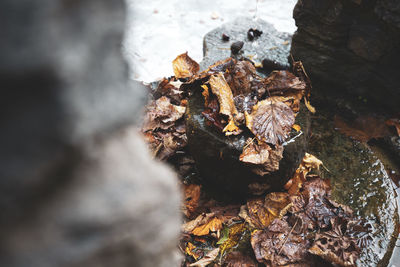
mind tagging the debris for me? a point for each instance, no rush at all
(207, 259)
(184, 66)
(236, 46)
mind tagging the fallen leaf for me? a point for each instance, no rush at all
(206, 94)
(262, 212)
(363, 128)
(221, 89)
(282, 81)
(191, 200)
(296, 127)
(184, 66)
(263, 155)
(190, 251)
(308, 163)
(234, 234)
(278, 246)
(239, 259)
(270, 121)
(207, 259)
(202, 219)
(212, 226)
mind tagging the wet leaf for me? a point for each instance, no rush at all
(308, 163)
(191, 201)
(278, 246)
(190, 251)
(207, 259)
(221, 89)
(213, 225)
(270, 121)
(280, 82)
(362, 128)
(234, 234)
(239, 259)
(184, 66)
(263, 155)
(262, 212)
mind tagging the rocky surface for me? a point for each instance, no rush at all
(358, 179)
(73, 189)
(271, 45)
(350, 48)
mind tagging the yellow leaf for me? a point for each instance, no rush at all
(205, 93)
(213, 225)
(308, 105)
(296, 127)
(184, 66)
(230, 127)
(189, 251)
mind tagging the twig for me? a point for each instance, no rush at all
(249, 143)
(286, 239)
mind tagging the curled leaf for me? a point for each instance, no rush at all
(207, 259)
(184, 66)
(270, 121)
(221, 89)
(213, 225)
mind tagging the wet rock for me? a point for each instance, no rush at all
(359, 180)
(217, 156)
(350, 49)
(271, 44)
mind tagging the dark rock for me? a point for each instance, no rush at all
(271, 44)
(350, 49)
(236, 46)
(359, 180)
(225, 37)
(217, 156)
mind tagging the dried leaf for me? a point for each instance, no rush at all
(234, 234)
(263, 155)
(270, 121)
(263, 211)
(221, 89)
(184, 66)
(190, 251)
(200, 220)
(296, 127)
(278, 246)
(192, 196)
(207, 259)
(239, 259)
(308, 105)
(213, 225)
(280, 82)
(308, 163)
(206, 94)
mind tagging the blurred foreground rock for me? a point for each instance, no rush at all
(350, 48)
(77, 186)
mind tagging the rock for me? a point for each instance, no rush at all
(217, 156)
(359, 180)
(65, 97)
(271, 45)
(350, 49)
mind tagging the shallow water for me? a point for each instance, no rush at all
(359, 180)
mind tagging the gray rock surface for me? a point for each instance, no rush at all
(350, 48)
(73, 190)
(271, 45)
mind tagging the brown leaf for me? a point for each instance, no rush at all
(200, 220)
(221, 89)
(162, 114)
(278, 246)
(191, 201)
(184, 66)
(207, 259)
(280, 82)
(213, 225)
(263, 155)
(308, 163)
(239, 259)
(262, 212)
(270, 121)
(362, 128)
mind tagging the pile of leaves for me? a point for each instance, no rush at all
(300, 227)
